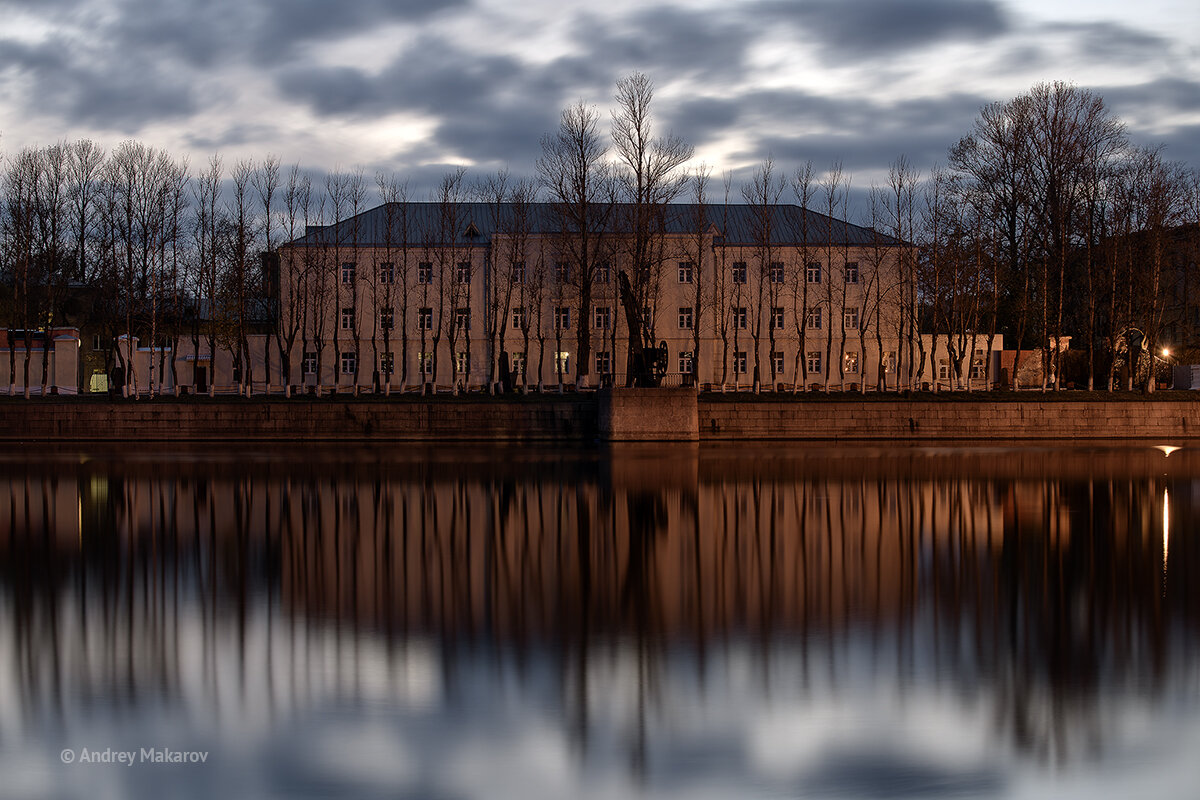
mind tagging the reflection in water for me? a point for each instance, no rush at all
(453, 623)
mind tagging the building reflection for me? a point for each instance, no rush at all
(1043, 584)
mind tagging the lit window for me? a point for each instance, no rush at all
(387, 363)
(603, 317)
(739, 272)
(813, 272)
(850, 363)
(517, 361)
(462, 361)
(425, 362)
(889, 364)
(686, 362)
(851, 272)
(349, 363)
(685, 271)
(562, 363)
(685, 317)
(349, 270)
(978, 365)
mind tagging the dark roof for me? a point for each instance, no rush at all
(475, 223)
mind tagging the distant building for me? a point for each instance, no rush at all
(43, 361)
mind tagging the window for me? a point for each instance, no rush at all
(237, 372)
(603, 317)
(851, 272)
(775, 272)
(349, 363)
(347, 319)
(739, 318)
(889, 364)
(777, 362)
(685, 317)
(387, 272)
(686, 362)
(603, 362)
(562, 363)
(777, 318)
(978, 365)
(739, 272)
(943, 369)
(739, 362)
(425, 272)
(562, 318)
(603, 273)
(349, 270)
(462, 318)
(850, 319)
(813, 362)
(813, 272)
(462, 361)
(308, 365)
(387, 363)
(850, 363)
(518, 318)
(517, 273)
(425, 362)
(462, 273)
(425, 319)
(686, 271)
(387, 318)
(814, 319)
(562, 272)
(517, 362)
(96, 342)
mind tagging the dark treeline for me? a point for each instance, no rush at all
(1045, 222)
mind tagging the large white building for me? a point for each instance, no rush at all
(447, 294)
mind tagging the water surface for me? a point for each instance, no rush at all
(669, 622)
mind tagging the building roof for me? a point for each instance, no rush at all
(477, 223)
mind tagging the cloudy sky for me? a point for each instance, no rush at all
(416, 85)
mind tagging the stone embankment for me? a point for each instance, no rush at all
(607, 415)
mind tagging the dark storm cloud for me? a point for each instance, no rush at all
(57, 77)
(865, 28)
(666, 41)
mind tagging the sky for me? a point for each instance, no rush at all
(416, 87)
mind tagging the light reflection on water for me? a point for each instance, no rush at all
(675, 622)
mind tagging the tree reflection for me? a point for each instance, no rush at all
(1033, 582)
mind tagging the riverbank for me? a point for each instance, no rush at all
(608, 415)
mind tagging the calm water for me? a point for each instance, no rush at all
(1011, 622)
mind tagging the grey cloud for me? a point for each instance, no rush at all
(1108, 42)
(868, 28)
(890, 774)
(59, 77)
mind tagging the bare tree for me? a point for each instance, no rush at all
(762, 196)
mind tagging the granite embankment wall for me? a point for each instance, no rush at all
(930, 421)
(620, 416)
(570, 418)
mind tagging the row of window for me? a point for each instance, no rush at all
(602, 320)
(562, 272)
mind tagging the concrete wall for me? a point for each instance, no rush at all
(618, 415)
